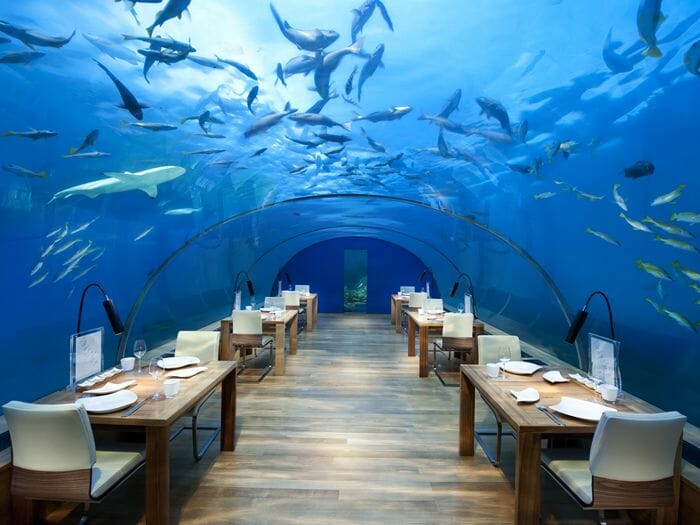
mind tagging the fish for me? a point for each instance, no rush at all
(520, 168)
(202, 119)
(393, 113)
(307, 143)
(302, 64)
(83, 272)
(24, 172)
(494, 109)
(588, 196)
(376, 146)
(669, 228)
(640, 168)
(159, 42)
(88, 155)
(686, 216)
(334, 151)
(442, 146)
(316, 119)
(648, 19)
(66, 246)
(38, 280)
(618, 198)
(68, 269)
(240, 67)
(210, 135)
(203, 152)
(328, 137)
(129, 101)
(652, 269)
(300, 169)
(616, 63)
(88, 141)
(447, 124)
(660, 290)
(20, 57)
(321, 103)
(307, 39)
(173, 9)
(151, 126)
(566, 148)
(690, 274)
(82, 252)
(32, 38)
(668, 198)
(165, 56)
(258, 152)
(678, 318)
(636, 225)
(656, 305)
(348, 83)
(369, 67)
(252, 95)
(451, 104)
(364, 13)
(280, 75)
(494, 136)
(206, 62)
(100, 253)
(691, 58)
(37, 267)
(537, 164)
(330, 63)
(144, 233)
(63, 230)
(84, 226)
(116, 182)
(522, 131)
(604, 236)
(695, 286)
(267, 121)
(34, 134)
(675, 243)
(183, 211)
(350, 101)
(545, 195)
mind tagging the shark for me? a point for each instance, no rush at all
(115, 182)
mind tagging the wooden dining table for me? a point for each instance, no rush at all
(424, 324)
(530, 424)
(155, 418)
(397, 302)
(310, 301)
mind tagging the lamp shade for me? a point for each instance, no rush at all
(453, 290)
(576, 326)
(113, 316)
(286, 276)
(251, 290)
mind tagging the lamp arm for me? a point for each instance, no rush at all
(470, 286)
(82, 302)
(610, 314)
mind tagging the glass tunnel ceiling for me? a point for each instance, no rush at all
(594, 106)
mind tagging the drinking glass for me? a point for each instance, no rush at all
(460, 309)
(156, 373)
(504, 356)
(253, 303)
(139, 352)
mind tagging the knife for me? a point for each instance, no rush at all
(551, 416)
(137, 406)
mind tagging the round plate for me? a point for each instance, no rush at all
(108, 403)
(580, 409)
(521, 367)
(177, 362)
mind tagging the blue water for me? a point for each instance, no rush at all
(532, 260)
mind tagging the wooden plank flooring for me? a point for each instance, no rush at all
(349, 435)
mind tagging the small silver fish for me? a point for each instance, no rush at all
(653, 270)
(604, 236)
(84, 226)
(38, 280)
(690, 274)
(83, 273)
(670, 197)
(37, 267)
(675, 243)
(618, 198)
(637, 225)
(144, 233)
(545, 195)
(669, 228)
(67, 245)
(686, 216)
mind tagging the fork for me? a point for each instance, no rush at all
(551, 416)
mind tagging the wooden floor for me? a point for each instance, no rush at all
(349, 435)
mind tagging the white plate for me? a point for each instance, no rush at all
(581, 409)
(108, 403)
(529, 395)
(110, 388)
(177, 362)
(264, 309)
(187, 372)
(554, 376)
(434, 311)
(521, 367)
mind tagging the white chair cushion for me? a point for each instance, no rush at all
(572, 468)
(247, 322)
(291, 298)
(489, 346)
(458, 325)
(110, 467)
(203, 344)
(416, 299)
(302, 288)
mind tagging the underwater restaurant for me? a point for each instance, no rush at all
(350, 262)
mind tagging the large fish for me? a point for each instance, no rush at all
(348, 83)
(393, 113)
(616, 63)
(160, 55)
(150, 126)
(88, 141)
(161, 42)
(316, 119)
(670, 197)
(129, 101)
(308, 39)
(173, 9)
(206, 62)
(20, 57)
(648, 19)
(240, 67)
(640, 168)
(447, 124)
(112, 48)
(364, 13)
(376, 146)
(321, 103)
(31, 38)
(330, 63)
(691, 59)
(451, 104)
(303, 64)
(34, 134)
(493, 108)
(25, 172)
(368, 69)
(252, 95)
(116, 182)
(267, 121)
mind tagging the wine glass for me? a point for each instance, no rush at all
(253, 303)
(139, 352)
(460, 309)
(504, 356)
(156, 373)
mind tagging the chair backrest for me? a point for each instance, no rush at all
(302, 288)
(407, 289)
(53, 438)
(246, 322)
(290, 298)
(433, 304)
(636, 447)
(275, 302)
(416, 299)
(490, 346)
(458, 325)
(200, 343)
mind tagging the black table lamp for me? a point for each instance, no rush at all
(470, 289)
(582, 315)
(286, 276)
(248, 282)
(110, 310)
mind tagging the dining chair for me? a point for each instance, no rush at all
(247, 337)
(54, 456)
(433, 305)
(275, 302)
(405, 290)
(292, 302)
(415, 301)
(457, 336)
(203, 344)
(490, 347)
(633, 463)
(302, 288)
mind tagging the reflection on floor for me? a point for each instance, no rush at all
(349, 435)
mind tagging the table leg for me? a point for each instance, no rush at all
(293, 326)
(393, 311)
(279, 349)
(157, 475)
(527, 478)
(411, 337)
(310, 314)
(467, 401)
(315, 310)
(399, 314)
(423, 352)
(228, 411)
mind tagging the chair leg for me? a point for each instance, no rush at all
(84, 517)
(499, 435)
(601, 517)
(199, 453)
